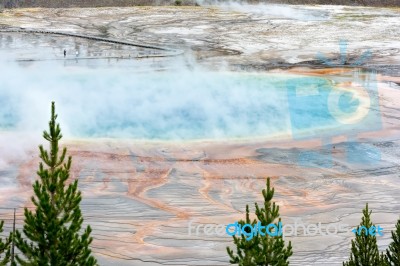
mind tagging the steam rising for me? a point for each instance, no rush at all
(119, 102)
(269, 11)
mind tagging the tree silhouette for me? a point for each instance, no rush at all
(266, 249)
(54, 228)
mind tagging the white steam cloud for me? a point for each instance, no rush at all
(121, 102)
(269, 11)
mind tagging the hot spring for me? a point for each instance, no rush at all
(132, 99)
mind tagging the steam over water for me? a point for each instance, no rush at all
(179, 104)
(132, 99)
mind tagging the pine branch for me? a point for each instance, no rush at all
(5, 247)
(364, 249)
(261, 250)
(393, 251)
(53, 229)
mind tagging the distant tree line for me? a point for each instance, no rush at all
(382, 3)
(122, 3)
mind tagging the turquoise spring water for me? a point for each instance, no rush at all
(154, 105)
(176, 104)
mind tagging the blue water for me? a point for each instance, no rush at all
(178, 104)
(155, 105)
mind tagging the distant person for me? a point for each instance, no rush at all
(77, 53)
(65, 53)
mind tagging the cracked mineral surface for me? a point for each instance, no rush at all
(139, 195)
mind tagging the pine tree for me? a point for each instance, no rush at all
(266, 250)
(393, 251)
(4, 248)
(54, 230)
(364, 249)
